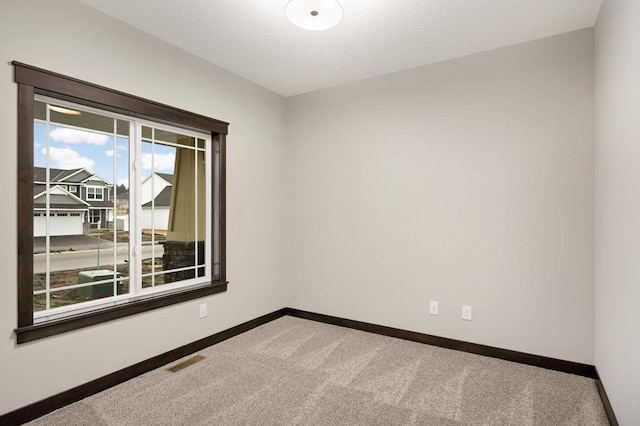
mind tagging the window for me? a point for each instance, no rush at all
(73, 189)
(94, 216)
(95, 193)
(166, 165)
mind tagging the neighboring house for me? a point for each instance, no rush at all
(66, 212)
(79, 200)
(153, 185)
(156, 214)
(122, 209)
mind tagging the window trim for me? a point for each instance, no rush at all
(95, 193)
(93, 216)
(31, 81)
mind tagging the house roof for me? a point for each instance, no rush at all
(40, 174)
(100, 204)
(167, 177)
(59, 198)
(60, 206)
(163, 199)
(40, 189)
(79, 175)
(149, 180)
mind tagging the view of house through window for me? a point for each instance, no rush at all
(121, 208)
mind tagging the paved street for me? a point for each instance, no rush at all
(67, 242)
(88, 259)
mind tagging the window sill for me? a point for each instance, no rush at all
(51, 328)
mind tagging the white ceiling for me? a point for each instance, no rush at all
(254, 39)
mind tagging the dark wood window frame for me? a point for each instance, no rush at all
(33, 81)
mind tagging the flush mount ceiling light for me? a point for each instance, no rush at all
(314, 14)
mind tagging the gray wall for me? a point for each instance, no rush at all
(465, 182)
(72, 39)
(617, 205)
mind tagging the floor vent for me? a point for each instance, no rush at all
(186, 363)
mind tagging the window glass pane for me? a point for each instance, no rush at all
(147, 132)
(173, 138)
(78, 255)
(174, 208)
(39, 302)
(39, 110)
(120, 197)
(123, 127)
(76, 118)
(158, 162)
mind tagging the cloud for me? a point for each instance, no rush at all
(66, 158)
(73, 136)
(161, 162)
(109, 152)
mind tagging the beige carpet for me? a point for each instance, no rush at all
(297, 372)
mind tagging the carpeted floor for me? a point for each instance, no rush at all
(297, 372)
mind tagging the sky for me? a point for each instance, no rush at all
(71, 148)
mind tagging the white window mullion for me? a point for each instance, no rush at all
(153, 207)
(208, 253)
(135, 209)
(47, 213)
(113, 206)
(196, 262)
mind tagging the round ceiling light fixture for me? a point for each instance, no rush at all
(314, 14)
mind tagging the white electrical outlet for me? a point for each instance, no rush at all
(433, 308)
(203, 310)
(466, 313)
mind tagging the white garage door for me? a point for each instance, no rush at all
(61, 223)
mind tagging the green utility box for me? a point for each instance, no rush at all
(97, 291)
